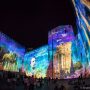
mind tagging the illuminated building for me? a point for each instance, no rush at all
(36, 62)
(11, 45)
(66, 55)
(82, 8)
(11, 53)
(60, 43)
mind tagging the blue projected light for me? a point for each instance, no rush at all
(11, 53)
(11, 45)
(36, 62)
(82, 42)
(66, 55)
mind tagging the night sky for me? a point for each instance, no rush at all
(28, 23)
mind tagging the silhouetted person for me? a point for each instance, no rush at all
(62, 87)
(56, 88)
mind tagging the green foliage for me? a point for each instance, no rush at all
(9, 57)
(77, 65)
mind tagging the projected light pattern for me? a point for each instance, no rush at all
(11, 54)
(83, 22)
(36, 62)
(60, 35)
(82, 8)
(60, 43)
(11, 45)
(65, 56)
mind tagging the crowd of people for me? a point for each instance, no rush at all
(16, 81)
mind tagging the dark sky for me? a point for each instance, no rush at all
(28, 23)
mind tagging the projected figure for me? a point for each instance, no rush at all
(36, 62)
(32, 64)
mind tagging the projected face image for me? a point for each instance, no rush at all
(32, 62)
(36, 62)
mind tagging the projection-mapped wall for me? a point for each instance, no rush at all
(36, 62)
(60, 51)
(11, 54)
(65, 56)
(82, 53)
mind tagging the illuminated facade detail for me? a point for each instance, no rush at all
(11, 45)
(11, 54)
(82, 8)
(36, 62)
(60, 43)
(62, 59)
(65, 53)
